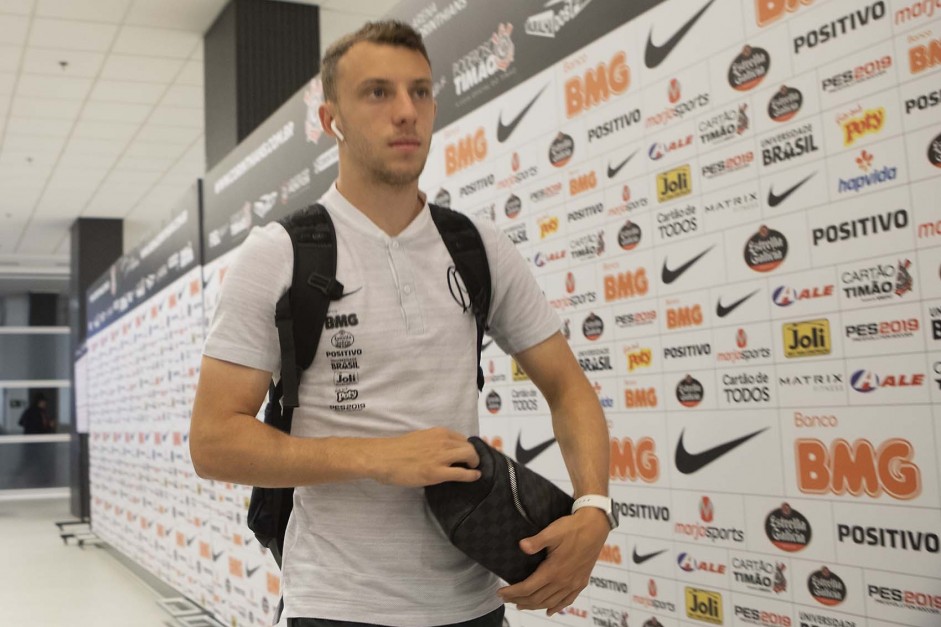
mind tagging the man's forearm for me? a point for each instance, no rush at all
(579, 425)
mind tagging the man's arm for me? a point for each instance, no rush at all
(574, 542)
(228, 443)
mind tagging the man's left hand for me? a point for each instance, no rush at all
(574, 543)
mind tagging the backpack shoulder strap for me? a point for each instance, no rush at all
(462, 239)
(300, 313)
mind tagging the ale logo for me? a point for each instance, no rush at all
(689, 392)
(593, 327)
(706, 509)
(494, 402)
(806, 339)
(703, 605)
(443, 198)
(826, 587)
(749, 68)
(785, 296)
(674, 183)
(858, 469)
(561, 150)
(629, 236)
(513, 206)
(785, 104)
(788, 529)
(765, 250)
(865, 381)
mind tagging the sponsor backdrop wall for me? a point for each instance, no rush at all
(734, 207)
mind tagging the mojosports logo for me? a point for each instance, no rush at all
(858, 469)
(765, 250)
(679, 109)
(866, 381)
(749, 68)
(826, 587)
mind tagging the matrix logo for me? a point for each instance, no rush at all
(810, 338)
(703, 605)
(785, 295)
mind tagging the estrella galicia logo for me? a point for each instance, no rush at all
(593, 327)
(342, 339)
(788, 529)
(561, 150)
(458, 290)
(494, 402)
(513, 206)
(785, 104)
(826, 587)
(934, 151)
(765, 250)
(629, 236)
(749, 68)
(443, 198)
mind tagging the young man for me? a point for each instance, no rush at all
(361, 545)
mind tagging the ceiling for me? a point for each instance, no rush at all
(101, 116)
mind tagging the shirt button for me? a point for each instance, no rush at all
(407, 289)
(395, 245)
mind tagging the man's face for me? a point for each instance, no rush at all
(385, 111)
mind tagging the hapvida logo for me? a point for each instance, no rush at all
(872, 177)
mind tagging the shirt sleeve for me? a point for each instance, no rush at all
(243, 329)
(520, 315)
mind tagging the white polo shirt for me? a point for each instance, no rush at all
(397, 354)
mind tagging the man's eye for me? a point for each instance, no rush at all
(377, 92)
(423, 92)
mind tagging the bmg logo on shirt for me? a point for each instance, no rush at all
(341, 320)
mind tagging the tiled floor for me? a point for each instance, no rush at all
(46, 584)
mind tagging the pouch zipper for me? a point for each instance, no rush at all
(514, 488)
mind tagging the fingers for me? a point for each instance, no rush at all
(454, 473)
(567, 601)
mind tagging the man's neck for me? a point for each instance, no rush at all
(390, 207)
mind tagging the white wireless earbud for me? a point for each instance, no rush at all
(333, 125)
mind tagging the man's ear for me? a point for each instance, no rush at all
(327, 118)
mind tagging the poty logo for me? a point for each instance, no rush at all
(866, 381)
(597, 85)
(863, 123)
(548, 226)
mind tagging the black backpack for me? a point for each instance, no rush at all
(300, 314)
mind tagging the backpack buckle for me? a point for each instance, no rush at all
(332, 288)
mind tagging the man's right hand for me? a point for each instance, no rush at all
(422, 458)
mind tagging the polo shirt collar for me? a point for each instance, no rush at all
(343, 209)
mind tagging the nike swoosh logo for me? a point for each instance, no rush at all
(345, 294)
(612, 172)
(723, 311)
(251, 571)
(688, 463)
(640, 559)
(524, 456)
(505, 130)
(654, 55)
(216, 556)
(668, 276)
(189, 541)
(774, 200)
